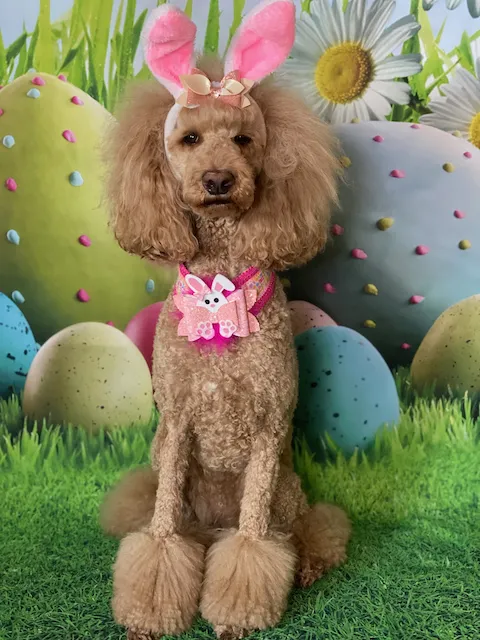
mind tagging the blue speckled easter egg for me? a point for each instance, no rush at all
(17, 347)
(346, 389)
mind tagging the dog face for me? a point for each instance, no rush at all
(217, 153)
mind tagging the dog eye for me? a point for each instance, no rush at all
(191, 138)
(242, 140)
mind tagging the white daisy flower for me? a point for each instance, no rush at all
(341, 62)
(459, 111)
(473, 6)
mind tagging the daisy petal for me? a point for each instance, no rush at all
(428, 4)
(323, 14)
(470, 85)
(398, 67)
(453, 4)
(355, 16)
(376, 20)
(433, 120)
(394, 92)
(394, 36)
(378, 106)
(309, 40)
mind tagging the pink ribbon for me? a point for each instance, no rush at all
(198, 89)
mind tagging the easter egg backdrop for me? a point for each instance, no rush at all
(405, 242)
(305, 315)
(346, 389)
(58, 258)
(89, 374)
(17, 347)
(449, 356)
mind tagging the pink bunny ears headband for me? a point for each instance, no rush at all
(261, 44)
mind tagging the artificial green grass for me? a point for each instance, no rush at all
(414, 560)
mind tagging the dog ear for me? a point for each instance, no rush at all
(148, 215)
(263, 41)
(296, 189)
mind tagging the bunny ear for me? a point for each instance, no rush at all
(263, 40)
(221, 283)
(196, 284)
(169, 40)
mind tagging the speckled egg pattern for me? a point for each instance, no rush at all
(51, 190)
(346, 389)
(408, 231)
(92, 375)
(305, 316)
(449, 356)
(17, 347)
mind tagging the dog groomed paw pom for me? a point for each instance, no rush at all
(157, 583)
(247, 582)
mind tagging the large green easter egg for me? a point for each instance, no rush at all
(58, 258)
(449, 356)
(89, 374)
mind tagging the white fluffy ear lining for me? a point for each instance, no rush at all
(169, 42)
(263, 41)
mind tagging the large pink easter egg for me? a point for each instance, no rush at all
(307, 316)
(141, 330)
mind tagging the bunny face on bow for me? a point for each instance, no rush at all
(215, 134)
(211, 299)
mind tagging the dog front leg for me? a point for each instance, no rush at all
(158, 573)
(249, 573)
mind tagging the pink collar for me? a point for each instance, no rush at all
(217, 309)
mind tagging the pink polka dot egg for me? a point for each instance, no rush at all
(307, 316)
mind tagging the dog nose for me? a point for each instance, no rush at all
(218, 183)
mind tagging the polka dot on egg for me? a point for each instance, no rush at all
(468, 154)
(464, 244)
(110, 323)
(414, 126)
(448, 167)
(405, 346)
(76, 100)
(370, 324)
(18, 297)
(82, 295)
(378, 138)
(62, 77)
(10, 184)
(345, 161)
(459, 214)
(69, 135)
(8, 141)
(33, 93)
(38, 81)
(13, 237)
(371, 289)
(329, 288)
(421, 250)
(397, 173)
(358, 254)
(150, 285)
(84, 241)
(75, 179)
(385, 223)
(2, 112)
(416, 299)
(337, 230)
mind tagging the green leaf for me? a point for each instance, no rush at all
(3, 61)
(22, 65)
(238, 7)
(16, 46)
(44, 52)
(137, 31)
(100, 25)
(305, 5)
(32, 48)
(212, 33)
(188, 8)
(440, 32)
(464, 52)
(71, 55)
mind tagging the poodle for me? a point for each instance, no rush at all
(226, 175)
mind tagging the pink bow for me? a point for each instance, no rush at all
(208, 307)
(198, 88)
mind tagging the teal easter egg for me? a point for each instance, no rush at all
(17, 347)
(346, 389)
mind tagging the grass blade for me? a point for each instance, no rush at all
(125, 64)
(212, 33)
(238, 7)
(465, 55)
(101, 21)
(188, 8)
(3, 61)
(15, 48)
(44, 52)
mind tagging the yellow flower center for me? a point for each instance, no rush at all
(474, 131)
(343, 72)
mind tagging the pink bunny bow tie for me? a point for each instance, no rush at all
(226, 309)
(198, 88)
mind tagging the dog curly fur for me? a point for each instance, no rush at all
(219, 523)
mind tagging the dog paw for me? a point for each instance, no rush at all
(247, 583)
(157, 584)
(227, 328)
(230, 633)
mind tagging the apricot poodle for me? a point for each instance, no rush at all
(231, 178)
